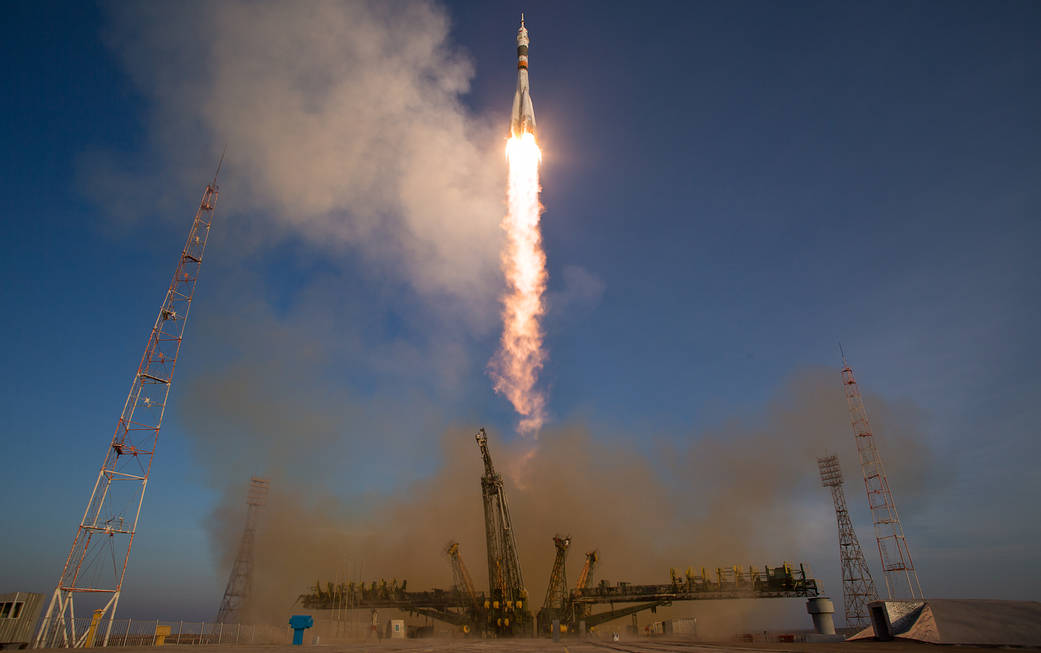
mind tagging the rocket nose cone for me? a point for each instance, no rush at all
(522, 32)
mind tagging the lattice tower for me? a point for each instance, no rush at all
(556, 592)
(897, 566)
(240, 582)
(460, 575)
(858, 589)
(506, 585)
(585, 577)
(92, 578)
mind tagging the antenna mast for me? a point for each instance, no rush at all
(97, 562)
(897, 566)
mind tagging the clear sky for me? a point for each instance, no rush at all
(730, 189)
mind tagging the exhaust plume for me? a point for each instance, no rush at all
(515, 367)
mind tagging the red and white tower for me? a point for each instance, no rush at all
(897, 566)
(94, 571)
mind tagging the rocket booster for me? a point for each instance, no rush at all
(522, 119)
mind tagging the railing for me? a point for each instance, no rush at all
(156, 632)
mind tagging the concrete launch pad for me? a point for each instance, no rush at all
(638, 645)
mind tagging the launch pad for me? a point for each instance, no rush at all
(505, 611)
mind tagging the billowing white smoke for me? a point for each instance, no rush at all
(343, 124)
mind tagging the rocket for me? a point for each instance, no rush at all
(522, 119)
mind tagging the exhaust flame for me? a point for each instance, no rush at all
(515, 367)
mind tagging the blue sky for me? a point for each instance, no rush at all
(730, 189)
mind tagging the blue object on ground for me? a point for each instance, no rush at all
(299, 623)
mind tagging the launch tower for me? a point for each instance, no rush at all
(557, 598)
(508, 598)
(460, 575)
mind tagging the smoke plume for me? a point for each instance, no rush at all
(344, 129)
(740, 493)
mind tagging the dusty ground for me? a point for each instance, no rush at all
(640, 645)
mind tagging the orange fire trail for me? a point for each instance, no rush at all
(515, 367)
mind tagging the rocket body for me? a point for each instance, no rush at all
(523, 116)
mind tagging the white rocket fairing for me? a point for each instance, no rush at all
(523, 117)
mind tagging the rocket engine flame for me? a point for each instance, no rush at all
(515, 367)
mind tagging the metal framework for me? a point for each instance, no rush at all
(785, 581)
(585, 577)
(858, 589)
(556, 601)
(240, 582)
(897, 566)
(456, 607)
(97, 561)
(506, 585)
(460, 575)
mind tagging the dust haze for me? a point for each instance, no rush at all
(734, 494)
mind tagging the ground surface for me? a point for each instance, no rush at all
(641, 645)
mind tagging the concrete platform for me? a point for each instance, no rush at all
(639, 645)
(986, 622)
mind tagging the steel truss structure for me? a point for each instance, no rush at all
(556, 600)
(507, 591)
(858, 589)
(461, 580)
(240, 582)
(897, 567)
(97, 562)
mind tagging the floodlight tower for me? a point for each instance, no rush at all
(897, 566)
(97, 562)
(857, 587)
(240, 582)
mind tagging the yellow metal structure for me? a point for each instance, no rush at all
(92, 630)
(161, 633)
(586, 575)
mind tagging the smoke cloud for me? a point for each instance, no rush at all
(744, 492)
(344, 126)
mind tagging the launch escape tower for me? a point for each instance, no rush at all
(557, 598)
(240, 582)
(897, 566)
(857, 587)
(97, 562)
(508, 597)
